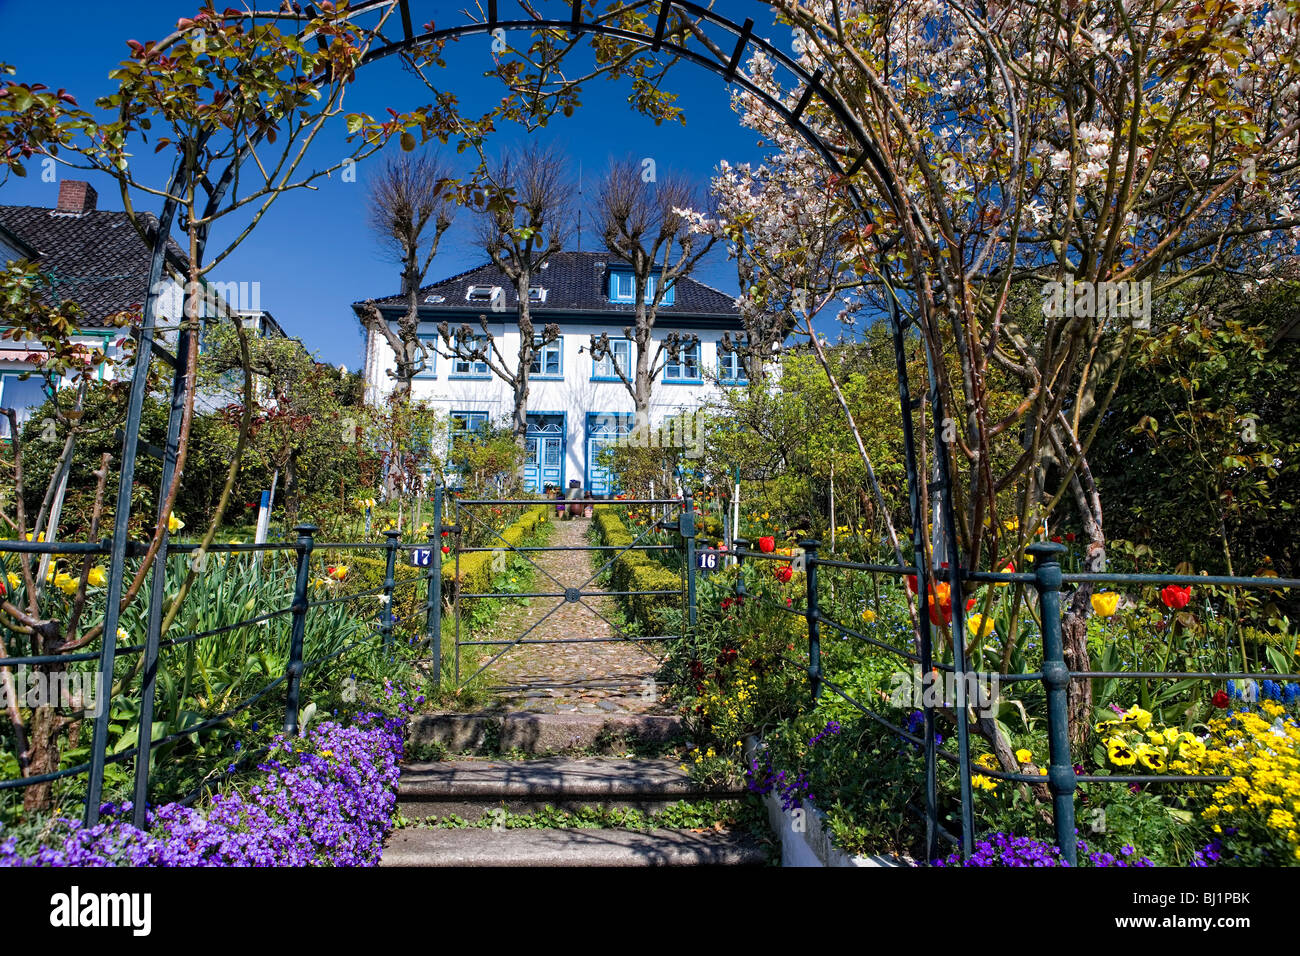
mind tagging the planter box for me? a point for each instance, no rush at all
(805, 838)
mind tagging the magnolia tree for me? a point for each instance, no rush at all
(1041, 170)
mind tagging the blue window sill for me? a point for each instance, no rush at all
(535, 377)
(683, 381)
(467, 377)
(733, 381)
(606, 378)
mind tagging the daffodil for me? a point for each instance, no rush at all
(97, 578)
(65, 582)
(174, 524)
(14, 580)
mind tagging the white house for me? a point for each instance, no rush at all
(576, 405)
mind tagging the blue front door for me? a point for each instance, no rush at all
(544, 464)
(603, 431)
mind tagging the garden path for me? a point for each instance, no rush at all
(589, 676)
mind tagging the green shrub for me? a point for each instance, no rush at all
(636, 571)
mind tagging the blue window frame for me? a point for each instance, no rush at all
(467, 423)
(548, 359)
(24, 397)
(603, 369)
(461, 368)
(686, 367)
(622, 288)
(731, 367)
(430, 369)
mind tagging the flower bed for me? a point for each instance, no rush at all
(327, 799)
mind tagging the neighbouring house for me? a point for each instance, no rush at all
(96, 258)
(576, 406)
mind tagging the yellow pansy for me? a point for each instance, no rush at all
(1023, 755)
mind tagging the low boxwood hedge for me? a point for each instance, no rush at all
(409, 591)
(637, 571)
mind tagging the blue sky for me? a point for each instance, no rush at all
(312, 254)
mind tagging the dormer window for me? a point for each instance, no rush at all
(483, 293)
(536, 294)
(622, 288)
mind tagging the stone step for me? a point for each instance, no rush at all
(471, 788)
(576, 847)
(532, 733)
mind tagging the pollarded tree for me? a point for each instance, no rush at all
(524, 220)
(645, 221)
(411, 204)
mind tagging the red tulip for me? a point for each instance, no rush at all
(970, 603)
(1056, 539)
(940, 600)
(446, 550)
(1175, 597)
(1220, 699)
(911, 583)
(1069, 536)
(784, 573)
(767, 544)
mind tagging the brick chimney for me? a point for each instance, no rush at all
(76, 197)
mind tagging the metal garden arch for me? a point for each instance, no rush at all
(721, 58)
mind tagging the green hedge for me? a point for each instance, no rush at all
(636, 571)
(475, 570)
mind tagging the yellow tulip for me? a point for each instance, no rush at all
(979, 625)
(14, 580)
(1105, 604)
(97, 578)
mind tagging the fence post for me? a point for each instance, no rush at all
(390, 571)
(1061, 778)
(299, 608)
(688, 533)
(810, 547)
(737, 545)
(433, 610)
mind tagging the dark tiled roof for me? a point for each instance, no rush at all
(574, 281)
(97, 259)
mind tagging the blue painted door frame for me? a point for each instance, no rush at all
(547, 442)
(603, 429)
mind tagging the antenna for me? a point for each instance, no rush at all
(579, 205)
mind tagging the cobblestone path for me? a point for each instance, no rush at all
(585, 677)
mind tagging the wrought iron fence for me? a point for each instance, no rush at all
(289, 682)
(1055, 677)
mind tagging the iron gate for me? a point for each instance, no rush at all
(677, 516)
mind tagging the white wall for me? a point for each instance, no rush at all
(575, 396)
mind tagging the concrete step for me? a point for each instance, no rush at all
(471, 788)
(554, 848)
(530, 733)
